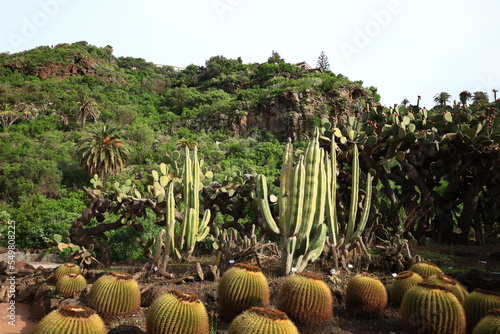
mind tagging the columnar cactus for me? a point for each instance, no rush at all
(240, 288)
(71, 320)
(366, 296)
(490, 324)
(456, 287)
(426, 269)
(115, 294)
(478, 303)
(258, 320)
(432, 309)
(177, 312)
(306, 299)
(403, 282)
(69, 284)
(66, 268)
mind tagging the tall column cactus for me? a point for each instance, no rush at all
(302, 201)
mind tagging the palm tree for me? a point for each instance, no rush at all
(442, 98)
(183, 142)
(405, 102)
(464, 97)
(87, 106)
(480, 97)
(102, 151)
(495, 91)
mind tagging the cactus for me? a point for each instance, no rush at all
(366, 296)
(67, 268)
(478, 303)
(258, 320)
(69, 284)
(240, 288)
(456, 287)
(231, 246)
(306, 299)
(426, 269)
(403, 282)
(115, 294)
(432, 309)
(490, 324)
(71, 320)
(177, 312)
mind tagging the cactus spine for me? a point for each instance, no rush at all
(115, 294)
(258, 320)
(490, 324)
(458, 289)
(70, 284)
(366, 296)
(306, 299)
(177, 312)
(432, 309)
(240, 288)
(478, 303)
(426, 269)
(403, 282)
(67, 268)
(71, 320)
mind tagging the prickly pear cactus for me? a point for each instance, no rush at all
(258, 320)
(456, 287)
(71, 320)
(240, 288)
(177, 312)
(490, 324)
(426, 269)
(67, 268)
(115, 294)
(478, 303)
(366, 296)
(432, 309)
(403, 282)
(69, 284)
(306, 299)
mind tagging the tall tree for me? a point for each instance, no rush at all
(323, 63)
(275, 58)
(102, 151)
(464, 97)
(495, 91)
(480, 97)
(86, 106)
(405, 102)
(442, 98)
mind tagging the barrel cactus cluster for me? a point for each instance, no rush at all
(71, 320)
(70, 284)
(66, 268)
(403, 282)
(366, 296)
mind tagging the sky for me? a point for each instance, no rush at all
(405, 48)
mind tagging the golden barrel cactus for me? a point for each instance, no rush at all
(490, 324)
(456, 287)
(426, 269)
(240, 288)
(478, 303)
(177, 312)
(306, 299)
(71, 320)
(259, 320)
(69, 284)
(432, 309)
(115, 294)
(366, 296)
(403, 282)
(67, 268)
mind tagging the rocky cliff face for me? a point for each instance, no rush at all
(293, 114)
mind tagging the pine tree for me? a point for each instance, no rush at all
(323, 63)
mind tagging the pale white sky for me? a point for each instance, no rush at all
(404, 47)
